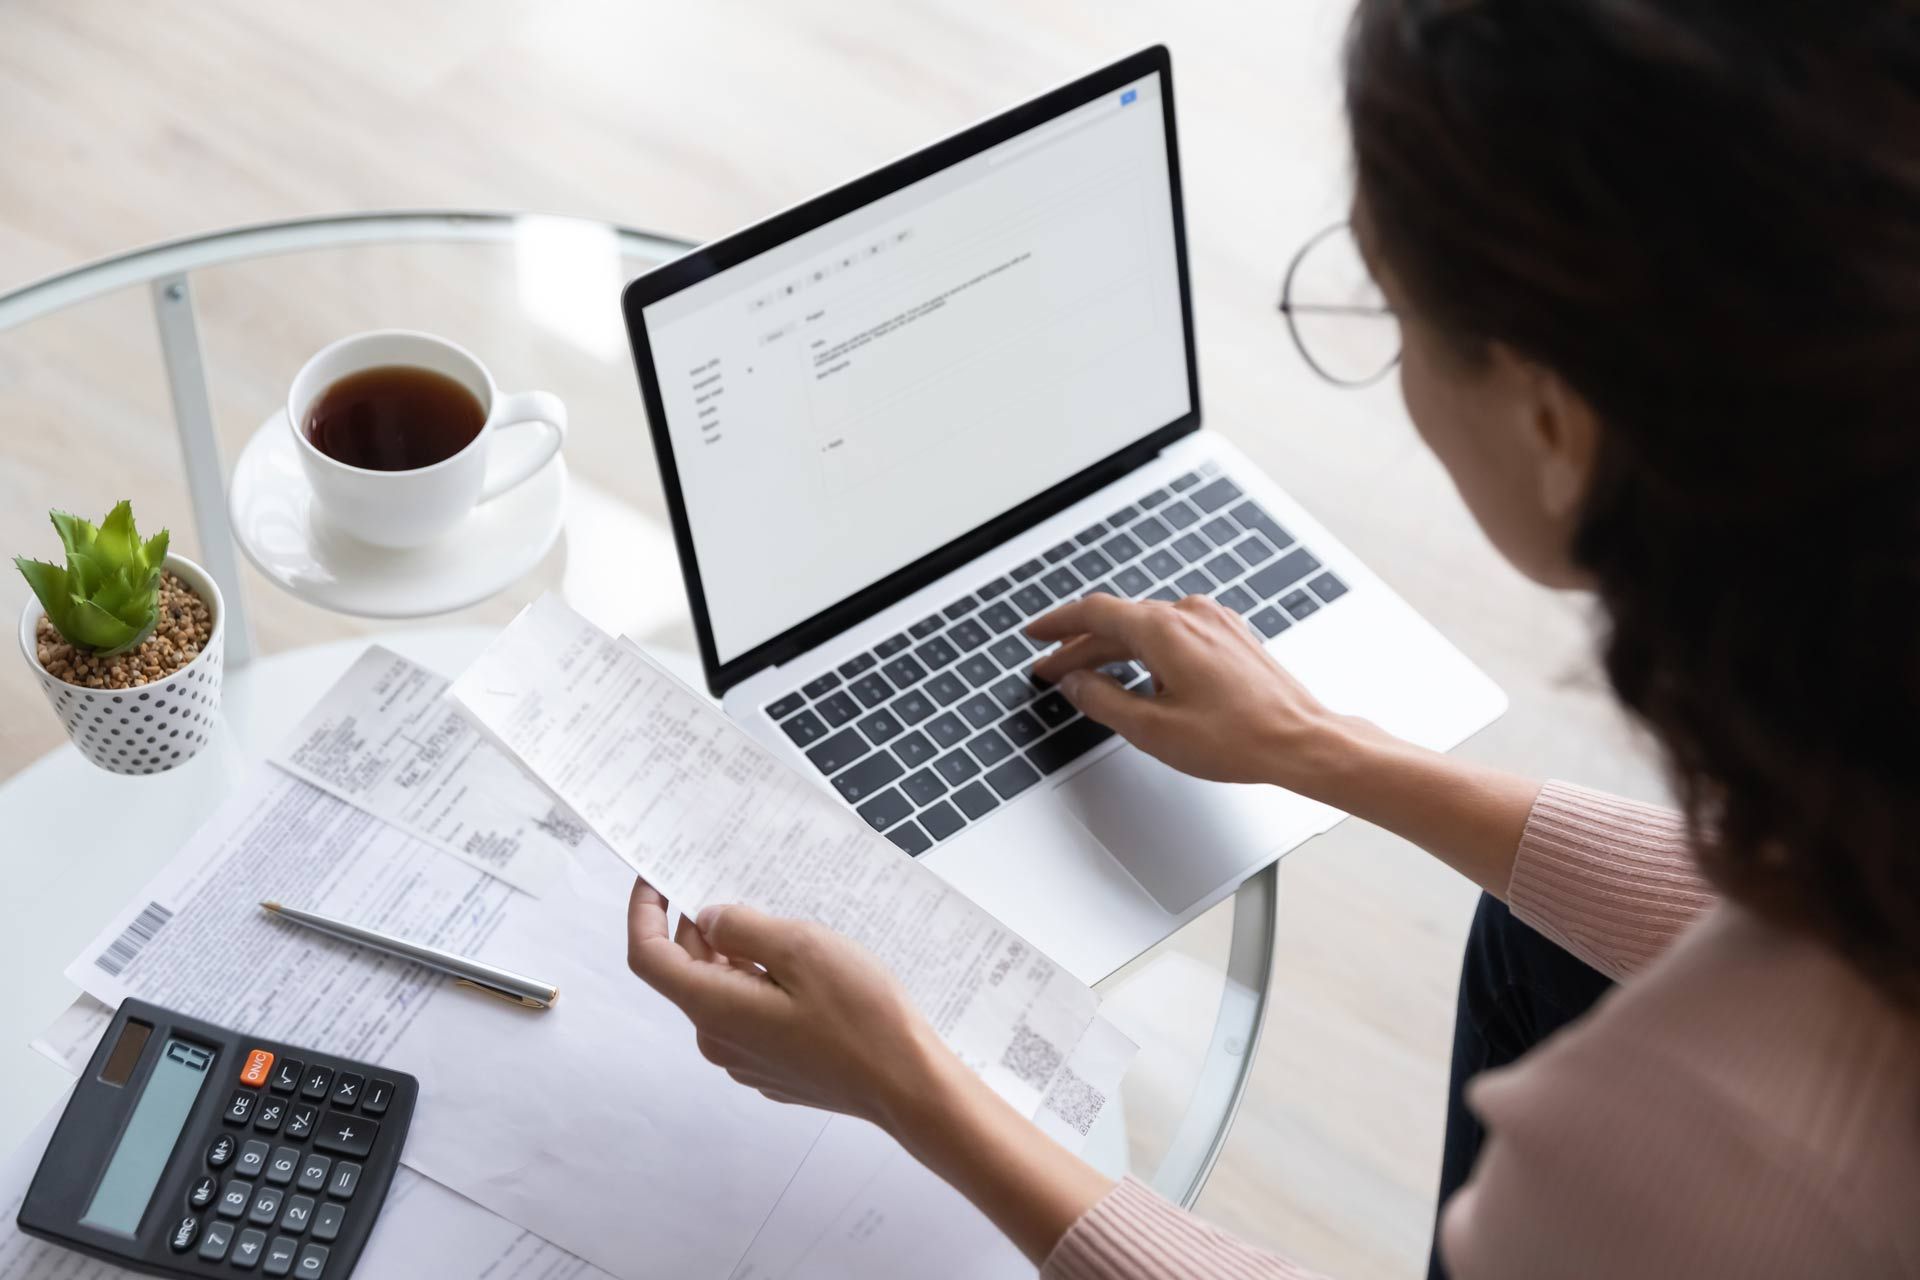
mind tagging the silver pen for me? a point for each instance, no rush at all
(504, 983)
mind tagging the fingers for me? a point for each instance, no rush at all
(1100, 697)
(1125, 622)
(1078, 654)
(715, 995)
(692, 942)
(746, 933)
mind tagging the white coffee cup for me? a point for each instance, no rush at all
(412, 508)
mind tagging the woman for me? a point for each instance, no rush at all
(1657, 269)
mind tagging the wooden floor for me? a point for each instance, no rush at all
(129, 121)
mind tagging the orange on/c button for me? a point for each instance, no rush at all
(259, 1062)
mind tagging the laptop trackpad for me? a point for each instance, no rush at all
(1178, 836)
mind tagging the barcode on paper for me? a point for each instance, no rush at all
(1032, 1057)
(1075, 1101)
(127, 947)
(562, 825)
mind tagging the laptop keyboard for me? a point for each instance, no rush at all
(936, 727)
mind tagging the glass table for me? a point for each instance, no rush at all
(147, 374)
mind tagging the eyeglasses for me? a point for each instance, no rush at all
(1340, 320)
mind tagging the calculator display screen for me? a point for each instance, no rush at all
(141, 1157)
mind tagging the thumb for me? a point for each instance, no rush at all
(747, 933)
(1100, 697)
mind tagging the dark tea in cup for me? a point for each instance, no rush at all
(395, 417)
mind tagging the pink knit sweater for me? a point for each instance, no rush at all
(1745, 1105)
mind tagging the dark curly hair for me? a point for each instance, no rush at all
(1705, 217)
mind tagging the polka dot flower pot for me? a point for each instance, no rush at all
(154, 727)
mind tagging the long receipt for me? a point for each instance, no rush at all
(708, 816)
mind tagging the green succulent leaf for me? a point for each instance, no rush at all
(107, 598)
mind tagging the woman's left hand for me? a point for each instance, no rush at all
(789, 1007)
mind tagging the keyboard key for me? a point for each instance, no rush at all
(923, 787)
(1254, 549)
(300, 1118)
(936, 653)
(282, 1165)
(1000, 617)
(379, 1094)
(1151, 532)
(1168, 594)
(867, 777)
(975, 800)
(272, 1112)
(997, 587)
(1282, 573)
(239, 1106)
(1121, 516)
(1013, 777)
(1131, 582)
(345, 1134)
(1056, 554)
(914, 749)
(1032, 600)
(313, 1172)
(872, 689)
(1238, 599)
(1255, 520)
(956, 767)
(326, 1223)
(1054, 709)
(1162, 564)
(880, 727)
(1091, 534)
(1216, 495)
(247, 1248)
(942, 820)
(1194, 582)
(253, 1158)
(286, 1075)
(213, 1245)
(837, 752)
(233, 1198)
(220, 1153)
(1224, 567)
(978, 670)
(946, 688)
(1013, 691)
(1022, 572)
(1100, 589)
(1299, 604)
(890, 646)
(959, 608)
(1053, 753)
(1010, 651)
(912, 840)
(905, 671)
(1022, 729)
(913, 707)
(805, 729)
(203, 1193)
(989, 748)
(854, 666)
(280, 1256)
(926, 626)
(1154, 499)
(1180, 515)
(886, 809)
(1328, 588)
(1091, 564)
(313, 1262)
(786, 706)
(836, 709)
(980, 710)
(1120, 548)
(1220, 531)
(969, 635)
(1185, 482)
(266, 1205)
(254, 1070)
(346, 1178)
(1191, 547)
(946, 729)
(299, 1213)
(1062, 582)
(816, 688)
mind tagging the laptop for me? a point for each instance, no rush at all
(900, 419)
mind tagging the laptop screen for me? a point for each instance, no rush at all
(859, 396)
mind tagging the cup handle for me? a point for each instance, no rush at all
(527, 409)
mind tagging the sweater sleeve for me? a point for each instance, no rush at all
(1133, 1234)
(1613, 881)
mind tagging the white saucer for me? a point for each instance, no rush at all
(287, 537)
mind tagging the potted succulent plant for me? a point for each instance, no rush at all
(125, 640)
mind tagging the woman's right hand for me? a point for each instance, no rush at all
(1223, 708)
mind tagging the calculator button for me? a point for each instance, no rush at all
(213, 1245)
(313, 1172)
(300, 1119)
(348, 1135)
(280, 1256)
(272, 1112)
(313, 1262)
(247, 1248)
(286, 1075)
(253, 1158)
(221, 1151)
(266, 1205)
(346, 1090)
(184, 1233)
(319, 1080)
(379, 1094)
(233, 1201)
(299, 1214)
(254, 1073)
(280, 1168)
(203, 1192)
(326, 1223)
(346, 1176)
(239, 1106)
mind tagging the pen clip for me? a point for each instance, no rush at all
(525, 1002)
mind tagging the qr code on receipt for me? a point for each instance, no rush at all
(562, 825)
(1031, 1056)
(1075, 1101)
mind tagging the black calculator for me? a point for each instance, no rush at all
(191, 1150)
